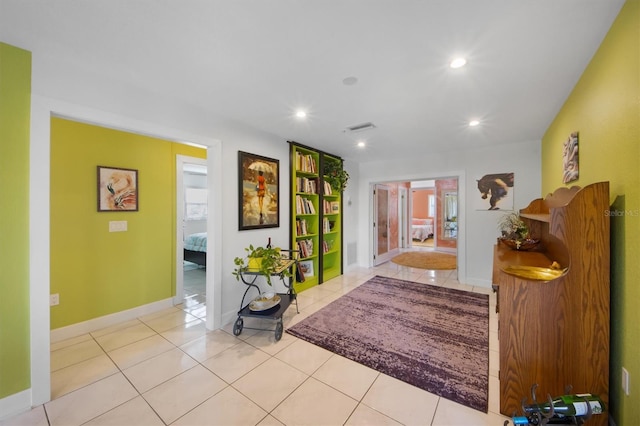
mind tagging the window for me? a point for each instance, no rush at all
(432, 205)
(195, 204)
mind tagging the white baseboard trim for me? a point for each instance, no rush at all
(478, 282)
(229, 317)
(453, 250)
(94, 324)
(15, 404)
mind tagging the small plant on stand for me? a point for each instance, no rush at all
(262, 260)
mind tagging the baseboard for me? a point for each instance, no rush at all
(15, 404)
(447, 249)
(94, 324)
(478, 282)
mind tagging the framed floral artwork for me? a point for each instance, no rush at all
(117, 189)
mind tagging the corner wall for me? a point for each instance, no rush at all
(15, 100)
(604, 107)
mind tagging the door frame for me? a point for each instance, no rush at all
(366, 229)
(377, 258)
(181, 160)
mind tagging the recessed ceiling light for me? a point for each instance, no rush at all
(361, 144)
(301, 114)
(458, 63)
(474, 123)
(350, 81)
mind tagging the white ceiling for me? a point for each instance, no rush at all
(256, 62)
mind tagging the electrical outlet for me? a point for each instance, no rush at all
(54, 299)
(625, 381)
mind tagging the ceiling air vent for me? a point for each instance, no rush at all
(360, 127)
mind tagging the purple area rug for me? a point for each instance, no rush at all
(431, 337)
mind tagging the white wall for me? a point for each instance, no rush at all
(477, 229)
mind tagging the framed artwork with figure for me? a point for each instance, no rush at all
(258, 192)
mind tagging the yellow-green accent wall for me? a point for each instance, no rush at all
(15, 101)
(97, 272)
(604, 107)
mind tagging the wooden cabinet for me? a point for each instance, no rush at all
(556, 333)
(316, 216)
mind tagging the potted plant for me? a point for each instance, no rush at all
(336, 175)
(515, 233)
(262, 260)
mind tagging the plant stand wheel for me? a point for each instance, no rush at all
(237, 327)
(279, 329)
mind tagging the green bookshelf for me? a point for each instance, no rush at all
(316, 217)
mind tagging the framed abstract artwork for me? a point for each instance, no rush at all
(496, 191)
(117, 189)
(570, 163)
(258, 192)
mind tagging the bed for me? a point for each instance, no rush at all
(421, 229)
(195, 248)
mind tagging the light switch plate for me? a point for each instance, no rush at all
(625, 381)
(54, 299)
(117, 226)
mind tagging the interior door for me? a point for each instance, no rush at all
(381, 229)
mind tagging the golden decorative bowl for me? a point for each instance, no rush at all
(534, 272)
(522, 245)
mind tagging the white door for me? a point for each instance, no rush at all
(381, 242)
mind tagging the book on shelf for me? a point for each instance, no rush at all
(331, 207)
(307, 267)
(299, 273)
(305, 163)
(301, 227)
(326, 246)
(305, 247)
(327, 225)
(306, 185)
(304, 205)
(327, 188)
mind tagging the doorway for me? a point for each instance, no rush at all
(432, 220)
(191, 237)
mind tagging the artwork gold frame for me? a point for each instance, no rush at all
(117, 189)
(258, 192)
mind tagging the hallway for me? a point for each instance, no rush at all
(166, 368)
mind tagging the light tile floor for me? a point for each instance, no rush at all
(166, 368)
